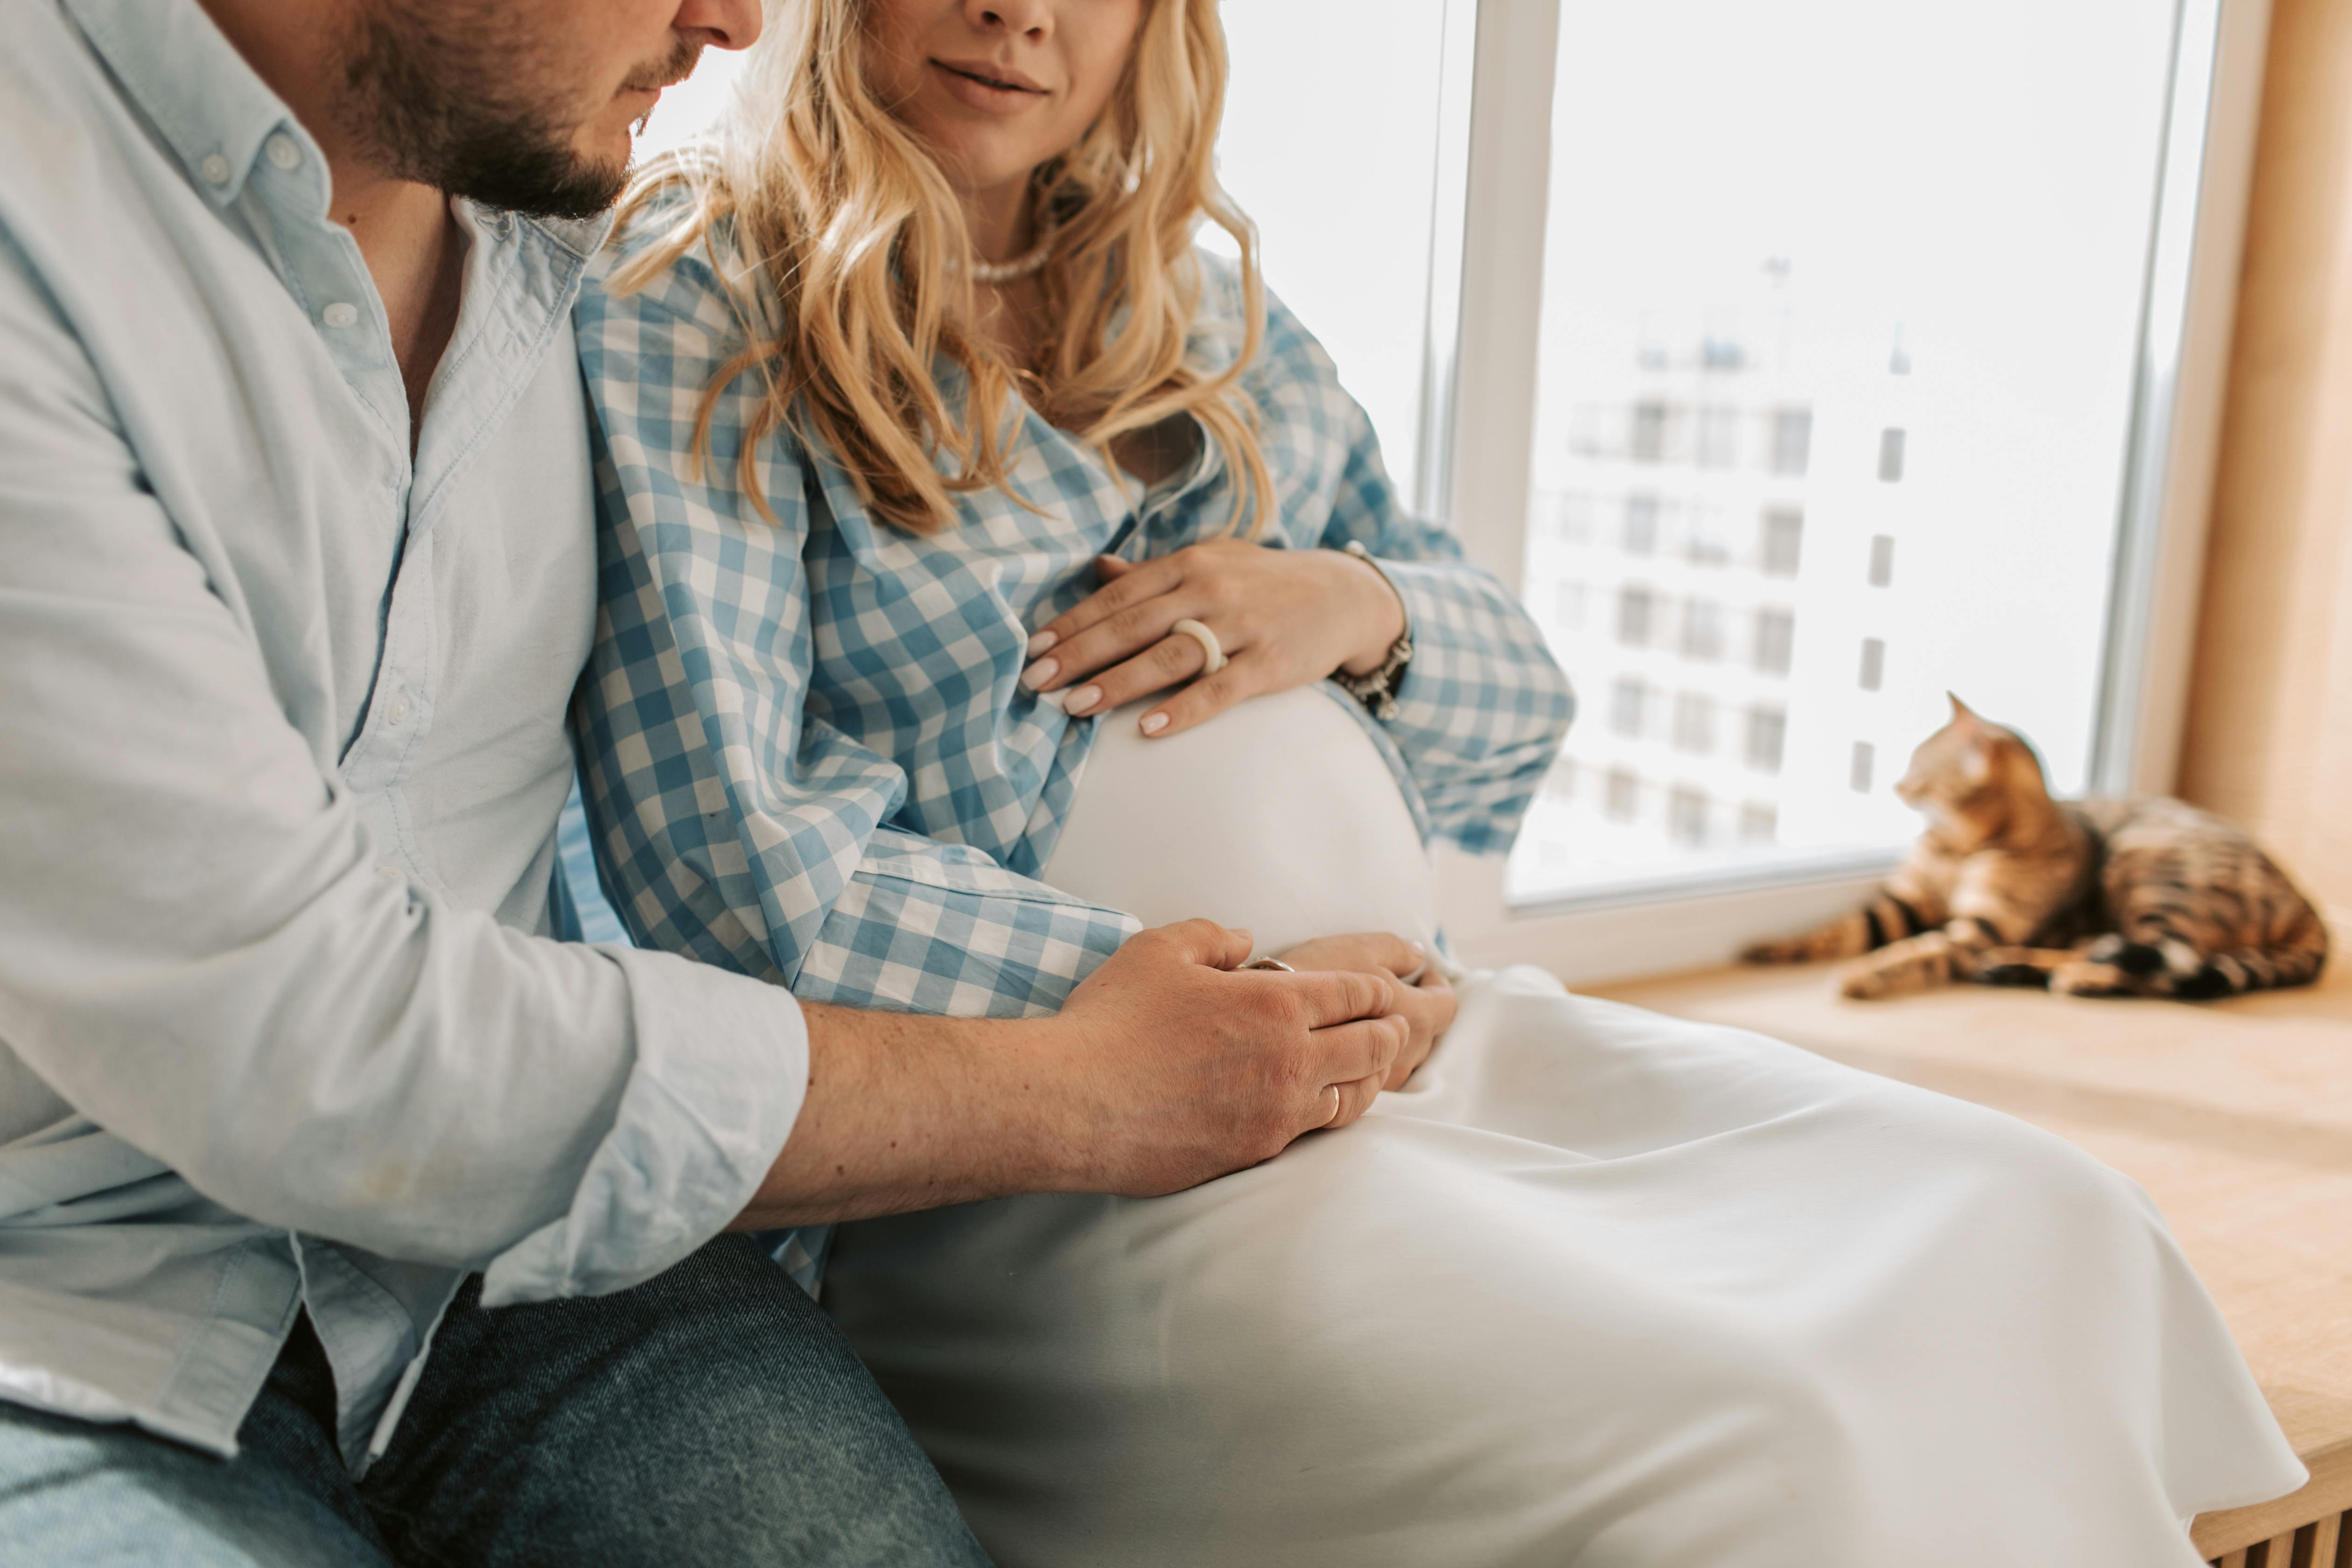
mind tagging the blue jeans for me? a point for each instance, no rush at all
(712, 1416)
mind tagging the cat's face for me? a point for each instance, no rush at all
(1966, 777)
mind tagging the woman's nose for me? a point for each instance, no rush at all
(1029, 18)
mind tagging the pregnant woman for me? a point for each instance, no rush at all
(989, 574)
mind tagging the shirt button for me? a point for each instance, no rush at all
(339, 314)
(215, 168)
(283, 151)
(398, 712)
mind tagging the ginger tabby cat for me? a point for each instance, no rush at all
(2100, 898)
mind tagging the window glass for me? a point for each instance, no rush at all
(1826, 281)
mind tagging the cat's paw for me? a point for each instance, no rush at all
(1869, 984)
(2086, 977)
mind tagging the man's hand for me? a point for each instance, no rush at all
(1170, 1066)
(1424, 999)
(1187, 1068)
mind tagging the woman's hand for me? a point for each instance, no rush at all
(1424, 999)
(1283, 618)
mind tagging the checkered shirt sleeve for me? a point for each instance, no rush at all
(1483, 707)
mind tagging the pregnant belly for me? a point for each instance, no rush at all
(1278, 815)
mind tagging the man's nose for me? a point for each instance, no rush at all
(728, 24)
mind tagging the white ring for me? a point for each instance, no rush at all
(1211, 649)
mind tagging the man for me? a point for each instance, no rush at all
(295, 579)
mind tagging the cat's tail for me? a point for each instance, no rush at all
(1885, 918)
(2115, 966)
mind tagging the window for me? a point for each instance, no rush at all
(1882, 561)
(1758, 821)
(1873, 663)
(1704, 544)
(1641, 536)
(1702, 629)
(1629, 708)
(1624, 795)
(1574, 515)
(1890, 455)
(1858, 772)
(1784, 541)
(1768, 732)
(1793, 441)
(1649, 443)
(1693, 721)
(1776, 641)
(1718, 437)
(1686, 813)
(1568, 606)
(1635, 605)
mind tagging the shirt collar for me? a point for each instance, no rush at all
(208, 105)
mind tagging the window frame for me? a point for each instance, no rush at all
(1478, 435)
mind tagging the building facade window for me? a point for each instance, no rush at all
(1890, 455)
(1882, 559)
(1793, 441)
(1623, 798)
(1702, 629)
(1784, 541)
(1858, 775)
(1641, 532)
(1718, 437)
(1768, 738)
(1649, 443)
(1693, 721)
(1776, 640)
(1567, 604)
(1686, 813)
(1572, 514)
(1636, 608)
(1759, 822)
(1628, 707)
(1873, 663)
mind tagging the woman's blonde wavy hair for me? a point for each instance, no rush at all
(842, 218)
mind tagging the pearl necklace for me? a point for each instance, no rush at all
(1019, 267)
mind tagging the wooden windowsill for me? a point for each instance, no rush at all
(2235, 1116)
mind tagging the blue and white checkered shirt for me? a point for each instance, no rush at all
(807, 754)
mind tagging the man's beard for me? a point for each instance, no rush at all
(454, 96)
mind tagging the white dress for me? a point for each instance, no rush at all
(1597, 1286)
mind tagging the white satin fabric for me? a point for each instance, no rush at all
(1597, 1286)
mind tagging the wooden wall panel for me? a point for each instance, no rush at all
(2269, 737)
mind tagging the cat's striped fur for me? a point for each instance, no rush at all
(2101, 898)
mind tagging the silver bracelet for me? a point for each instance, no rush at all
(1377, 691)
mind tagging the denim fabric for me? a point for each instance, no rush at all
(711, 1415)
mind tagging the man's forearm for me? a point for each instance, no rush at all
(1165, 1068)
(906, 1112)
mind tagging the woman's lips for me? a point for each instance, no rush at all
(983, 90)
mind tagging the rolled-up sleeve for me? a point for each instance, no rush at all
(199, 952)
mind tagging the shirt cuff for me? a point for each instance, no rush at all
(721, 1071)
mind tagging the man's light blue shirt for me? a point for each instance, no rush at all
(282, 747)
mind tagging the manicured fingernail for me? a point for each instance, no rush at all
(1154, 723)
(1084, 698)
(1037, 674)
(1042, 641)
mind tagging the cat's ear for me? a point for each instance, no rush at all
(1959, 709)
